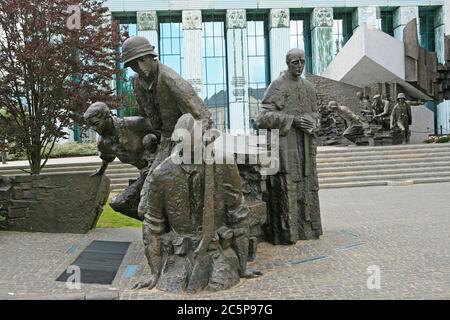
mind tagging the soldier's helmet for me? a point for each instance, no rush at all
(401, 96)
(376, 96)
(136, 47)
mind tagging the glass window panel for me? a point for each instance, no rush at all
(132, 29)
(251, 46)
(293, 28)
(208, 29)
(218, 47)
(214, 70)
(209, 45)
(259, 28)
(251, 28)
(165, 30)
(257, 72)
(166, 46)
(173, 62)
(218, 29)
(260, 46)
(176, 30)
(175, 45)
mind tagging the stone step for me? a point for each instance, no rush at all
(352, 149)
(383, 153)
(382, 166)
(387, 177)
(374, 163)
(383, 172)
(382, 182)
(421, 157)
(130, 170)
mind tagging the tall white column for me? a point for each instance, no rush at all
(367, 15)
(236, 24)
(192, 43)
(279, 24)
(443, 109)
(439, 34)
(447, 17)
(402, 16)
(321, 38)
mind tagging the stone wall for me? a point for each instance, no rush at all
(66, 203)
(329, 90)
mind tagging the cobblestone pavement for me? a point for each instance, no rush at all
(403, 230)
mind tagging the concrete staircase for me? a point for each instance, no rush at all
(338, 167)
(389, 165)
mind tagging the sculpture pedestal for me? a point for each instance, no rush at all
(55, 203)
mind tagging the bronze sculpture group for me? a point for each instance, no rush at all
(195, 217)
(380, 117)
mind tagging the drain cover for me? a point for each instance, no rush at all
(99, 262)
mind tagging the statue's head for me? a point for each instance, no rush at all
(139, 55)
(359, 95)
(98, 117)
(401, 97)
(295, 60)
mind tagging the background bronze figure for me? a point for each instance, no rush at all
(290, 105)
(401, 117)
(354, 123)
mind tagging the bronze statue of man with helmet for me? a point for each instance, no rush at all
(163, 96)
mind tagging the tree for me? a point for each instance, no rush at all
(56, 57)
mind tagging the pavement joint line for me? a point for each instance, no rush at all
(350, 246)
(308, 260)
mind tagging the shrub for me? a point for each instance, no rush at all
(70, 149)
(437, 139)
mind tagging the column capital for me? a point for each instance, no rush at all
(236, 19)
(403, 15)
(322, 17)
(192, 19)
(279, 18)
(147, 20)
(366, 15)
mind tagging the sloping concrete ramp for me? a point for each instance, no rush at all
(372, 56)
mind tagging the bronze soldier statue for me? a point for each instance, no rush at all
(132, 140)
(353, 122)
(163, 97)
(196, 232)
(382, 111)
(401, 117)
(289, 105)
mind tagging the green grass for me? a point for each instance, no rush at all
(113, 219)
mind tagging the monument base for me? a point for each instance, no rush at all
(54, 203)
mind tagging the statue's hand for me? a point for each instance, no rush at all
(149, 283)
(251, 274)
(304, 124)
(99, 172)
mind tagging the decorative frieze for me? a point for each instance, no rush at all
(192, 20)
(322, 17)
(147, 20)
(279, 18)
(236, 19)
